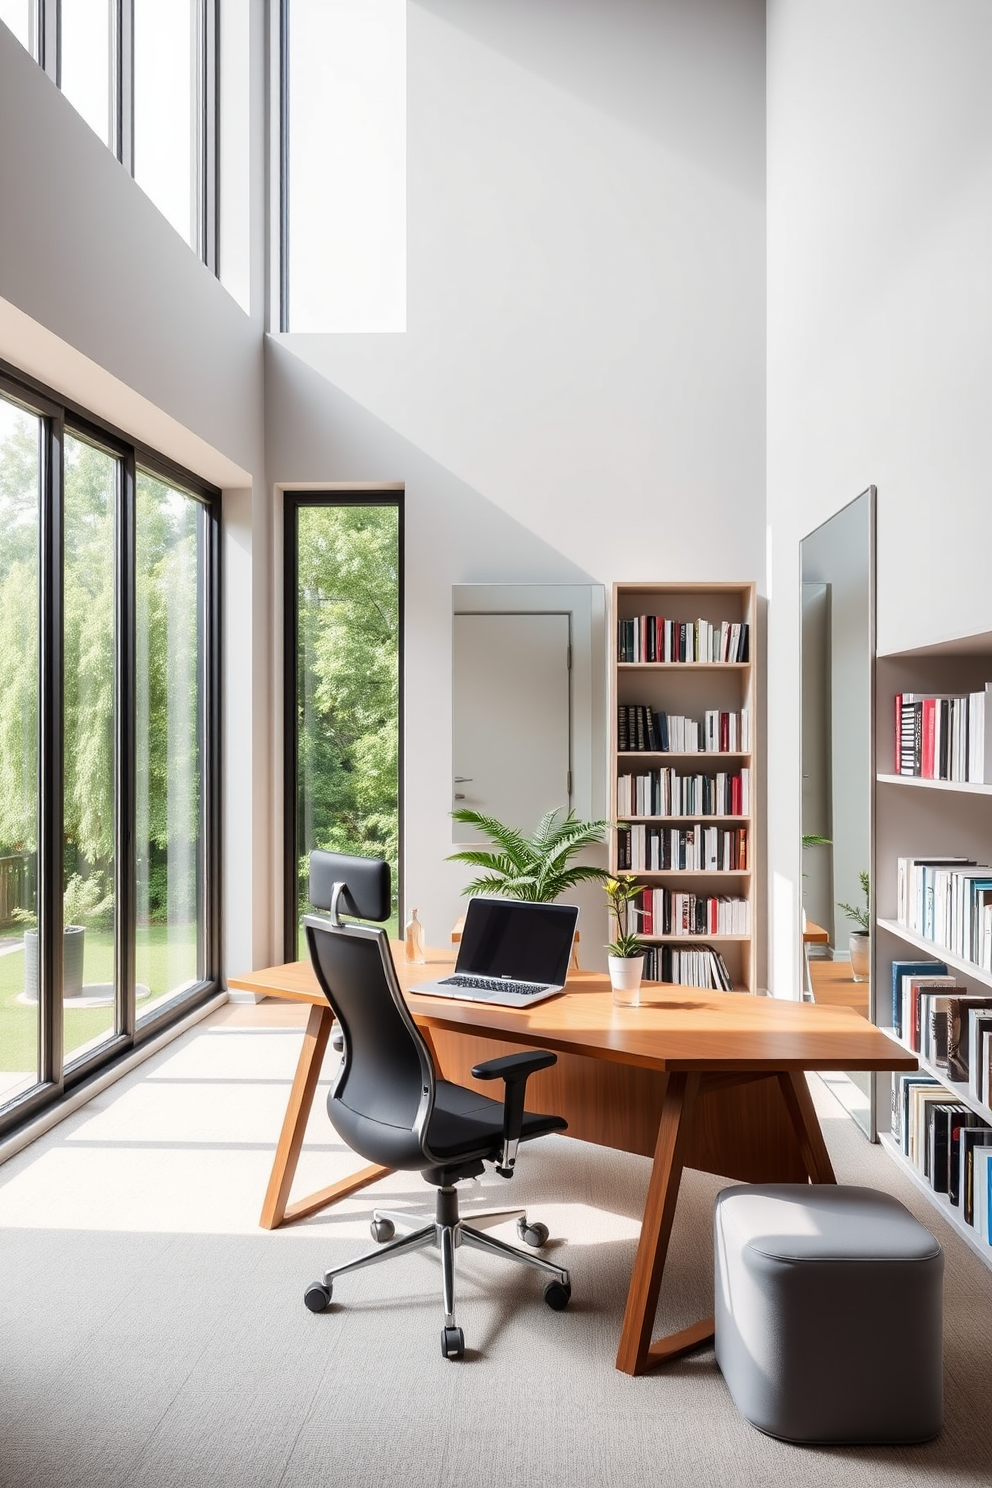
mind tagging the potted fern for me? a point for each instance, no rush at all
(860, 943)
(537, 868)
(625, 952)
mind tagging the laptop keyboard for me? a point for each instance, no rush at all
(493, 984)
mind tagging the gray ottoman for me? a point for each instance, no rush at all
(828, 1313)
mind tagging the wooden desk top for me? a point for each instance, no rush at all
(675, 1028)
(814, 934)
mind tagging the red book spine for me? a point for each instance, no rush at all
(724, 731)
(929, 736)
(647, 912)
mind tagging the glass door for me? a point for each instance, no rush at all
(343, 664)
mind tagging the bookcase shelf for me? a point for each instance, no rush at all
(682, 666)
(949, 1211)
(706, 756)
(931, 948)
(954, 1086)
(914, 816)
(959, 787)
(690, 690)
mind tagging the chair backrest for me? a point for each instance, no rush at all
(382, 1099)
(349, 885)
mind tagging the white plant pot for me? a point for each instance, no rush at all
(625, 979)
(860, 956)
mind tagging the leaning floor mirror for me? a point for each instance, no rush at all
(838, 654)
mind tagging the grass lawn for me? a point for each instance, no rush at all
(166, 957)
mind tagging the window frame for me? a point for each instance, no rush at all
(48, 30)
(293, 500)
(57, 1077)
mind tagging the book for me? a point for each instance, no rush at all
(959, 1033)
(909, 968)
(913, 989)
(921, 1099)
(971, 1138)
(901, 1097)
(963, 1118)
(941, 1117)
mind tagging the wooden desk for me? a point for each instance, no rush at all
(707, 1080)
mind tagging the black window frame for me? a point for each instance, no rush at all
(293, 500)
(48, 31)
(56, 1077)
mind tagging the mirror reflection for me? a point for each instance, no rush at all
(837, 651)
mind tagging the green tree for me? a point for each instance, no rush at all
(348, 681)
(168, 650)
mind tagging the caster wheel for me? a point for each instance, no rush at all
(556, 1294)
(534, 1235)
(317, 1296)
(452, 1343)
(382, 1230)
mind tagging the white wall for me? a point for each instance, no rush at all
(102, 300)
(580, 391)
(879, 335)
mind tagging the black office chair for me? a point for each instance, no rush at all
(390, 1106)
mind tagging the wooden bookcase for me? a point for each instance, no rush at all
(916, 817)
(689, 689)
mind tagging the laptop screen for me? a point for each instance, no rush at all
(513, 938)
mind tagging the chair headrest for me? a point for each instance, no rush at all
(366, 884)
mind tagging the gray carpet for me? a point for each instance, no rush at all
(152, 1336)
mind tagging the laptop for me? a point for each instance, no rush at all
(512, 953)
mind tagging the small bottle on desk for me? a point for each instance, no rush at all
(415, 941)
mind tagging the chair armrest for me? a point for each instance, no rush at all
(514, 1069)
(510, 1065)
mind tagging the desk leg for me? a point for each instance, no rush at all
(276, 1210)
(637, 1353)
(807, 1127)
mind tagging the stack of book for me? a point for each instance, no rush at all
(949, 901)
(943, 737)
(651, 638)
(667, 793)
(674, 912)
(720, 732)
(695, 849)
(944, 1022)
(700, 966)
(949, 1144)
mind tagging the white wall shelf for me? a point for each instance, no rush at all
(955, 1087)
(960, 787)
(918, 817)
(949, 1211)
(931, 948)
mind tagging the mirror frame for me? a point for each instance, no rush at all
(871, 491)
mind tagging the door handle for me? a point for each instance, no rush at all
(462, 779)
(459, 795)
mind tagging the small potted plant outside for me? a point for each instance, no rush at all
(83, 899)
(860, 915)
(625, 952)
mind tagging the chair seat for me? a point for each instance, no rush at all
(464, 1122)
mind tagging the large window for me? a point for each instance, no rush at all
(343, 183)
(343, 665)
(108, 735)
(143, 74)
